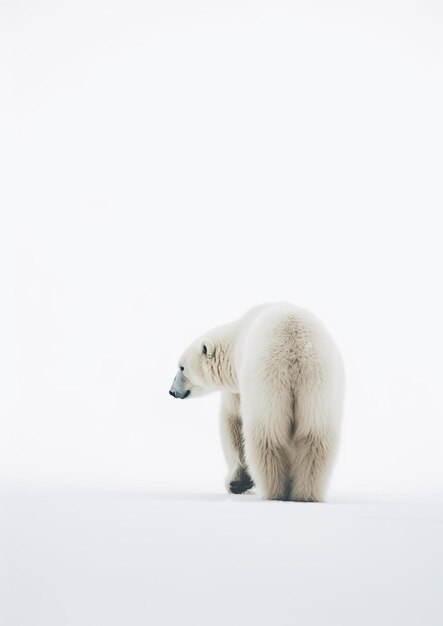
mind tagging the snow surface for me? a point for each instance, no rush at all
(92, 558)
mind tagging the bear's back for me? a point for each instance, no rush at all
(285, 341)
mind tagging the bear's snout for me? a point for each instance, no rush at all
(179, 387)
(182, 396)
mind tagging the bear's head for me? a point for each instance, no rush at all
(195, 376)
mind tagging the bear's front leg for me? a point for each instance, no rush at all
(240, 482)
(238, 479)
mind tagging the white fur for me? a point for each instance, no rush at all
(282, 381)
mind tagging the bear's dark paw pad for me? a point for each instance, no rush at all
(240, 486)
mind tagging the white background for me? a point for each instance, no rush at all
(167, 165)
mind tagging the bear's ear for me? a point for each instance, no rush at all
(208, 348)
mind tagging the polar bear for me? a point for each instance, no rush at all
(281, 379)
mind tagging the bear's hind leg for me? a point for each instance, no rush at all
(312, 463)
(269, 466)
(267, 423)
(317, 413)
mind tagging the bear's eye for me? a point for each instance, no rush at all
(181, 367)
(204, 349)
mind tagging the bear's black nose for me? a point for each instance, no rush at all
(172, 393)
